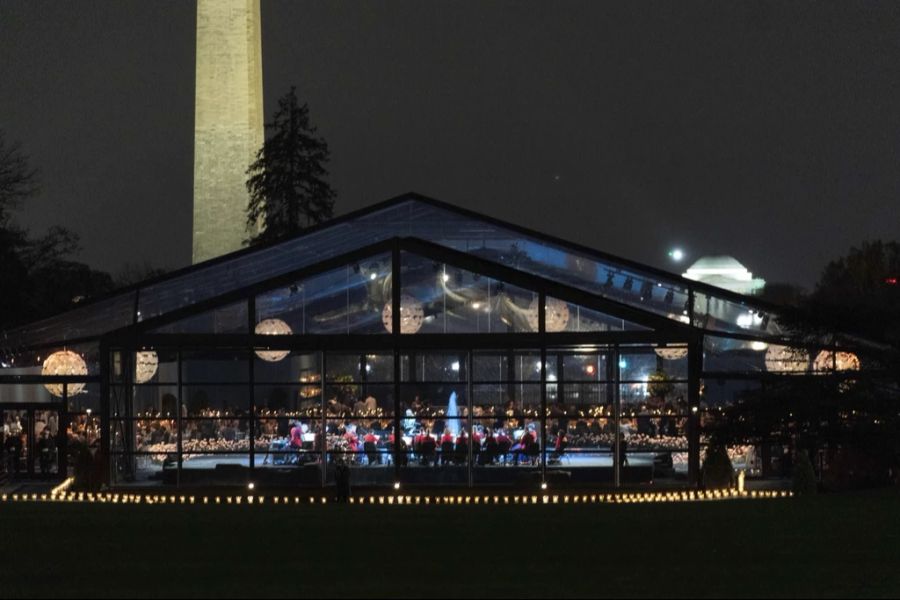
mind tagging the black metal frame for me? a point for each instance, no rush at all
(662, 331)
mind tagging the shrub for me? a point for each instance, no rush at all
(717, 470)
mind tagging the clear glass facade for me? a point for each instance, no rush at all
(518, 358)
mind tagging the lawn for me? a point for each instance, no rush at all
(831, 546)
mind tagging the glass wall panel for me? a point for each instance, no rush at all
(226, 319)
(727, 355)
(288, 441)
(565, 316)
(148, 366)
(213, 401)
(215, 366)
(282, 400)
(719, 314)
(349, 299)
(153, 401)
(441, 298)
(719, 393)
(293, 367)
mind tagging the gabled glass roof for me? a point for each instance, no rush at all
(413, 216)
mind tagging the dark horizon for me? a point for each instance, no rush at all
(621, 127)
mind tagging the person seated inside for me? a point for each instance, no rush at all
(352, 440)
(489, 449)
(399, 448)
(527, 448)
(447, 445)
(461, 455)
(559, 448)
(296, 443)
(427, 449)
(370, 441)
(504, 444)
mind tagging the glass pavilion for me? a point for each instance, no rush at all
(413, 341)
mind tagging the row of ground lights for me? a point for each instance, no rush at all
(521, 499)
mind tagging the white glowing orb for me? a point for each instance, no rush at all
(64, 362)
(272, 327)
(842, 361)
(674, 353)
(411, 315)
(145, 365)
(782, 359)
(556, 315)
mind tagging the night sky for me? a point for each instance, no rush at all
(769, 131)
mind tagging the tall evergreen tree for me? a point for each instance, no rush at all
(287, 186)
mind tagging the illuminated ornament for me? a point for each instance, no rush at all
(411, 315)
(840, 361)
(308, 391)
(145, 365)
(781, 359)
(556, 314)
(673, 353)
(64, 362)
(272, 327)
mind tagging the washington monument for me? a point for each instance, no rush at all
(228, 122)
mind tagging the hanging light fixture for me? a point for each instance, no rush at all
(827, 360)
(556, 315)
(272, 327)
(146, 363)
(781, 359)
(671, 353)
(64, 362)
(412, 313)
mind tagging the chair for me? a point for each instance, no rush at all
(427, 450)
(461, 456)
(488, 455)
(446, 452)
(559, 454)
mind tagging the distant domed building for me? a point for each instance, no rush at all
(725, 272)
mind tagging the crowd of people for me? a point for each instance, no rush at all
(358, 430)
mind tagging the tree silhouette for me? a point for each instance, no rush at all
(288, 192)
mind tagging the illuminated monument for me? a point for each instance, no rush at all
(228, 121)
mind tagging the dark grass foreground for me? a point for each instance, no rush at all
(833, 546)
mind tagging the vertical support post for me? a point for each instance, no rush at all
(321, 442)
(695, 368)
(178, 424)
(542, 329)
(105, 430)
(395, 338)
(62, 443)
(466, 359)
(617, 416)
(251, 400)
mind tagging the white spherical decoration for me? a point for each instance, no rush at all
(145, 365)
(844, 361)
(781, 359)
(412, 313)
(675, 353)
(556, 313)
(64, 362)
(272, 327)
